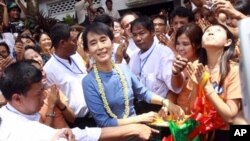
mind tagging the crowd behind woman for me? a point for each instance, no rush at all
(202, 39)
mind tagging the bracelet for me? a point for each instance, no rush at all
(64, 108)
(175, 74)
(51, 115)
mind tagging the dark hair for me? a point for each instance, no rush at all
(183, 12)
(27, 37)
(58, 32)
(33, 48)
(194, 33)
(18, 78)
(159, 17)
(106, 19)
(226, 56)
(186, 1)
(107, 1)
(99, 9)
(6, 47)
(38, 36)
(242, 6)
(98, 28)
(144, 21)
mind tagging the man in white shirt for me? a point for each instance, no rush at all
(66, 69)
(23, 88)
(109, 9)
(153, 62)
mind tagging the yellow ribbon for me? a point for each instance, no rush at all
(205, 77)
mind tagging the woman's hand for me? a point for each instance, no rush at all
(172, 109)
(191, 73)
(53, 96)
(147, 117)
(202, 80)
(19, 49)
(179, 65)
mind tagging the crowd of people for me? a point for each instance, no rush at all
(111, 75)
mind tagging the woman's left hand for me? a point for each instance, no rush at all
(172, 109)
(147, 117)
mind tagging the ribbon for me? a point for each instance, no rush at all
(180, 132)
(204, 118)
(204, 112)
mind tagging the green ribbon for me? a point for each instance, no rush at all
(181, 132)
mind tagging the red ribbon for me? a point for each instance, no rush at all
(204, 112)
(168, 138)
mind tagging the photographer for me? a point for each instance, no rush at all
(15, 23)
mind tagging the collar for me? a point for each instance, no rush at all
(64, 61)
(33, 117)
(144, 55)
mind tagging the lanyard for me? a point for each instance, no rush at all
(144, 62)
(68, 67)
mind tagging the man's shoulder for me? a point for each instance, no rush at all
(164, 51)
(51, 65)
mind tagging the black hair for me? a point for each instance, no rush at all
(18, 78)
(160, 17)
(58, 32)
(194, 33)
(99, 9)
(106, 19)
(98, 28)
(6, 46)
(107, 1)
(27, 37)
(33, 48)
(145, 21)
(183, 12)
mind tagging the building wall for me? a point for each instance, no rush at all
(60, 8)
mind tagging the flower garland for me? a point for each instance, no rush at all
(102, 92)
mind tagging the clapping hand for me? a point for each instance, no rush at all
(201, 75)
(179, 64)
(121, 50)
(191, 73)
(53, 95)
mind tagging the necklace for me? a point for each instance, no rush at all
(102, 92)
